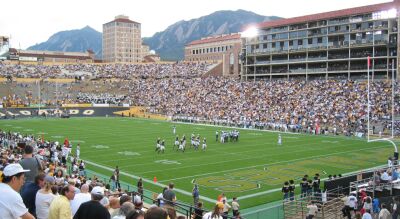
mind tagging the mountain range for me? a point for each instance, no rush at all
(169, 44)
(73, 41)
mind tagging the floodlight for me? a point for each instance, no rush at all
(250, 32)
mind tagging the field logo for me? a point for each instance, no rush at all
(168, 162)
(100, 146)
(129, 153)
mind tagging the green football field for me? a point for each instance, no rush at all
(252, 169)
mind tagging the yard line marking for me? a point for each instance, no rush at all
(279, 162)
(238, 155)
(149, 181)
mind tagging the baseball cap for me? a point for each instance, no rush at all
(13, 169)
(97, 190)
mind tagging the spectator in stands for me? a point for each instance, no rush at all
(198, 211)
(384, 213)
(135, 215)
(43, 198)
(81, 197)
(60, 207)
(28, 194)
(124, 210)
(227, 207)
(235, 206)
(216, 213)
(93, 208)
(367, 214)
(11, 204)
(31, 163)
(312, 210)
(156, 213)
(160, 197)
(114, 206)
(395, 207)
(169, 195)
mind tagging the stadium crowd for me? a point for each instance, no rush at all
(45, 180)
(120, 71)
(178, 91)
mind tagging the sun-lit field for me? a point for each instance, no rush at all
(253, 169)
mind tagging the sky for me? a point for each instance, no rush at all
(29, 22)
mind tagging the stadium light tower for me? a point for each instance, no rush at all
(389, 139)
(250, 32)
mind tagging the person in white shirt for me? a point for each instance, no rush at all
(216, 213)
(385, 178)
(78, 151)
(312, 210)
(11, 204)
(352, 201)
(44, 197)
(235, 206)
(367, 214)
(83, 196)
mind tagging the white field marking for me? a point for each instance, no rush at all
(333, 142)
(213, 149)
(236, 155)
(8, 125)
(42, 133)
(269, 164)
(129, 153)
(150, 181)
(99, 146)
(278, 189)
(17, 127)
(28, 130)
(77, 141)
(57, 136)
(254, 133)
(291, 137)
(155, 123)
(168, 162)
(216, 153)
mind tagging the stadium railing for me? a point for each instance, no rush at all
(150, 197)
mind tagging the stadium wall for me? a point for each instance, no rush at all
(63, 112)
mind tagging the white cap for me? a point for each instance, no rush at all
(13, 169)
(97, 190)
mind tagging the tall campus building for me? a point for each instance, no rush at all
(332, 44)
(122, 40)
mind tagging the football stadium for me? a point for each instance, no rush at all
(304, 123)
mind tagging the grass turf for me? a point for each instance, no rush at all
(252, 169)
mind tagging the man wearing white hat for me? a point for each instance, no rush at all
(93, 208)
(11, 204)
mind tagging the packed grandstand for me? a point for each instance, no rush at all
(182, 92)
(295, 105)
